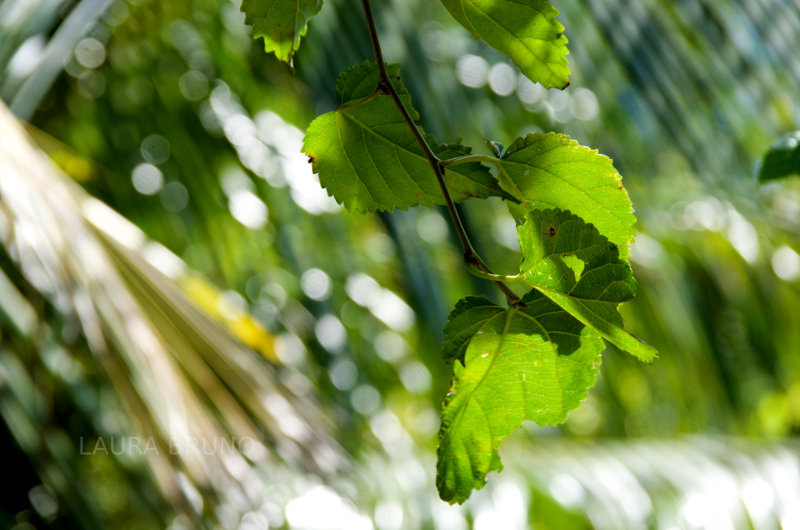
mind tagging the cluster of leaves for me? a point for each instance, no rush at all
(536, 359)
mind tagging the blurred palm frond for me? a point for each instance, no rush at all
(183, 381)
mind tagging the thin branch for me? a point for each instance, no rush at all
(387, 87)
(385, 84)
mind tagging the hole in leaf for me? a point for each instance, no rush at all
(576, 264)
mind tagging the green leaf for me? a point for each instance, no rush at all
(536, 363)
(468, 318)
(568, 261)
(525, 30)
(782, 159)
(282, 23)
(550, 170)
(368, 159)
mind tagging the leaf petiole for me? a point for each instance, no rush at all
(495, 277)
(468, 159)
(500, 281)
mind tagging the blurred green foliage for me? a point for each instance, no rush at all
(172, 115)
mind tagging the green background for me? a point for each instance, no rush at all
(175, 98)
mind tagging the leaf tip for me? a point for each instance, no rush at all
(643, 351)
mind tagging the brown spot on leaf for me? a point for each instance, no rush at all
(551, 232)
(311, 160)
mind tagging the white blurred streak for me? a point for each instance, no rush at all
(502, 79)
(383, 303)
(693, 482)
(321, 508)
(648, 252)
(389, 515)
(271, 148)
(316, 284)
(709, 213)
(415, 377)
(288, 421)
(510, 498)
(566, 490)
(18, 310)
(529, 92)
(288, 141)
(743, 236)
(759, 500)
(147, 179)
(330, 332)
(26, 58)
(79, 22)
(164, 260)
(584, 103)
(472, 70)
(786, 263)
(113, 224)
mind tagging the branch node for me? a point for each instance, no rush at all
(519, 304)
(384, 86)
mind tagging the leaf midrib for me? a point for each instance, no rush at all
(457, 421)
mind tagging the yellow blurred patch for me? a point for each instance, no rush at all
(238, 322)
(74, 165)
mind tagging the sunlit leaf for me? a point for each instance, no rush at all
(552, 171)
(525, 30)
(368, 159)
(568, 261)
(535, 363)
(282, 23)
